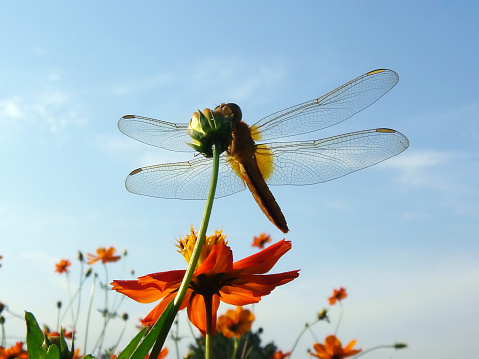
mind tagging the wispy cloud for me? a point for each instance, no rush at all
(450, 176)
(49, 111)
(420, 168)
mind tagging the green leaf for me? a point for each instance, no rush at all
(64, 351)
(130, 348)
(53, 352)
(34, 338)
(157, 334)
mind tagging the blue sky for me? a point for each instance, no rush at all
(400, 236)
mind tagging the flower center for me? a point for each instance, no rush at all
(187, 244)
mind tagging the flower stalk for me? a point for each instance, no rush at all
(171, 314)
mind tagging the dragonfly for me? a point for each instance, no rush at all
(271, 163)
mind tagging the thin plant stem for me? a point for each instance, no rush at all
(340, 318)
(306, 327)
(194, 257)
(4, 338)
(58, 316)
(377, 347)
(245, 354)
(79, 296)
(89, 312)
(176, 337)
(209, 325)
(121, 336)
(67, 308)
(106, 315)
(70, 300)
(235, 348)
(312, 333)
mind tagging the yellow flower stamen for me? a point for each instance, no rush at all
(187, 244)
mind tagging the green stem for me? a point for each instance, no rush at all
(340, 318)
(306, 327)
(3, 342)
(209, 325)
(171, 314)
(378, 347)
(235, 348)
(89, 312)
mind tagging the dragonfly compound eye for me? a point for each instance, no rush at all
(231, 109)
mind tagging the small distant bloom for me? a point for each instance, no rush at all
(338, 295)
(323, 315)
(235, 322)
(49, 334)
(400, 345)
(216, 278)
(280, 355)
(103, 254)
(15, 351)
(261, 240)
(77, 355)
(62, 267)
(332, 349)
(163, 353)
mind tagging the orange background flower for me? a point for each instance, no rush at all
(235, 322)
(338, 295)
(281, 355)
(62, 267)
(103, 254)
(261, 240)
(15, 351)
(332, 349)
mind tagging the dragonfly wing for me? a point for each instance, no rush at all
(328, 110)
(310, 162)
(184, 180)
(168, 135)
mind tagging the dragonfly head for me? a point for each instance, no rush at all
(229, 109)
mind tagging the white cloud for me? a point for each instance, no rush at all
(10, 108)
(51, 111)
(420, 168)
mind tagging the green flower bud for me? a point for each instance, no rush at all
(211, 127)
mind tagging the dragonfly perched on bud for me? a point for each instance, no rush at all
(248, 163)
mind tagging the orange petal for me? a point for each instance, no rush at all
(219, 260)
(263, 261)
(197, 312)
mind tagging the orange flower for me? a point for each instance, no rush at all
(235, 322)
(338, 295)
(62, 267)
(281, 355)
(332, 349)
(67, 335)
(13, 352)
(216, 278)
(106, 255)
(261, 240)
